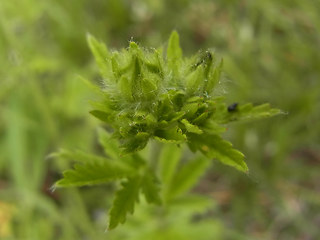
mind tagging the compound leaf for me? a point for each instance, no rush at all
(93, 172)
(124, 201)
(247, 112)
(214, 146)
(100, 53)
(78, 156)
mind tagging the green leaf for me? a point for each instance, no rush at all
(203, 116)
(115, 66)
(102, 106)
(174, 53)
(101, 55)
(113, 150)
(190, 127)
(172, 135)
(190, 109)
(150, 187)
(94, 172)
(149, 88)
(195, 81)
(153, 67)
(136, 73)
(188, 176)
(125, 87)
(214, 146)
(176, 116)
(101, 115)
(124, 201)
(249, 112)
(78, 156)
(90, 85)
(136, 143)
(212, 127)
(246, 112)
(213, 78)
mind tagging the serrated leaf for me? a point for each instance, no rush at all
(214, 146)
(190, 127)
(100, 53)
(247, 112)
(93, 172)
(150, 187)
(172, 135)
(212, 127)
(124, 201)
(188, 176)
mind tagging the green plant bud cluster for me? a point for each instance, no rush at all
(155, 94)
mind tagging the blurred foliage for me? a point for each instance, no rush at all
(270, 51)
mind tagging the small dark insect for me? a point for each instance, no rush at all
(232, 107)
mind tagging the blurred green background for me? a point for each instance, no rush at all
(271, 51)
